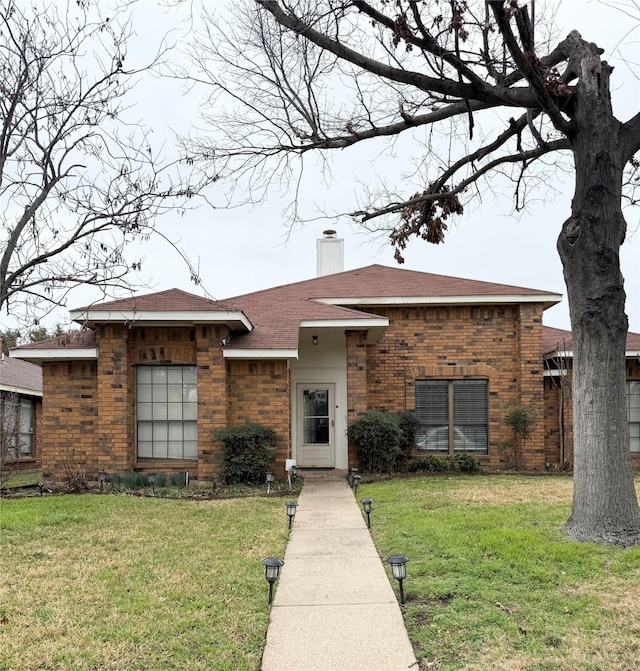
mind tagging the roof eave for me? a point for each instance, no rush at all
(259, 353)
(22, 391)
(374, 326)
(235, 319)
(548, 300)
(55, 354)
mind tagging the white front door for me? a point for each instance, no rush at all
(315, 425)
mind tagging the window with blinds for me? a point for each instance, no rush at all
(167, 411)
(452, 415)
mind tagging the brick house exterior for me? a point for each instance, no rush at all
(151, 377)
(558, 407)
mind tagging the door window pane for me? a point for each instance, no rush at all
(315, 419)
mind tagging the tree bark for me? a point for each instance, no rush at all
(605, 507)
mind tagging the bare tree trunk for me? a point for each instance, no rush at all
(605, 507)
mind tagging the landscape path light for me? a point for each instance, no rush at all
(399, 570)
(356, 482)
(291, 510)
(272, 566)
(152, 481)
(366, 506)
(352, 472)
(270, 479)
(102, 477)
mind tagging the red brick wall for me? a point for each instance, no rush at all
(357, 399)
(259, 391)
(456, 343)
(212, 395)
(68, 427)
(115, 399)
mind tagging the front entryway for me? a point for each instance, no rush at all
(315, 437)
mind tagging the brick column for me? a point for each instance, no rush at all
(116, 434)
(356, 342)
(531, 379)
(212, 396)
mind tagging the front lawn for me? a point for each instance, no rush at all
(493, 586)
(121, 583)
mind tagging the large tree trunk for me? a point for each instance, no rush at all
(605, 507)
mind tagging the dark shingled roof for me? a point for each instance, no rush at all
(559, 340)
(17, 374)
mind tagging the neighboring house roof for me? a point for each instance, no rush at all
(267, 323)
(560, 342)
(20, 377)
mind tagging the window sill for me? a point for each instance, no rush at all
(177, 464)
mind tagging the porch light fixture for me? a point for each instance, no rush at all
(399, 570)
(314, 339)
(270, 479)
(102, 477)
(291, 510)
(272, 566)
(355, 482)
(366, 507)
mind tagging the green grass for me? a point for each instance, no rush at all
(22, 479)
(492, 584)
(126, 583)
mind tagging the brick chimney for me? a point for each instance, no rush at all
(330, 250)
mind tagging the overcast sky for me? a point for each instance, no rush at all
(247, 249)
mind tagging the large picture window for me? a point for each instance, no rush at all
(633, 414)
(167, 412)
(452, 416)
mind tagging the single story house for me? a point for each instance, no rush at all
(558, 410)
(20, 413)
(149, 378)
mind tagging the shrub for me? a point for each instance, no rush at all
(178, 479)
(377, 437)
(430, 464)
(131, 480)
(249, 450)
(467, 463)
(409, 426)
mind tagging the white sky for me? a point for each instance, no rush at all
(247, 249)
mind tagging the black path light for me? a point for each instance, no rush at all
(355, 483)
(291, 510)
(399, 570)
(215, 481)
(152, 481)
(102, 477)
(352, 472)
(366, 506)
(272, 566)
(270, 479)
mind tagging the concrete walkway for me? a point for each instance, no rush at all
(334, 609)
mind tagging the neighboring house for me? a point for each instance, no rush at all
(20, 412)
(150, 377)
(558, 412)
